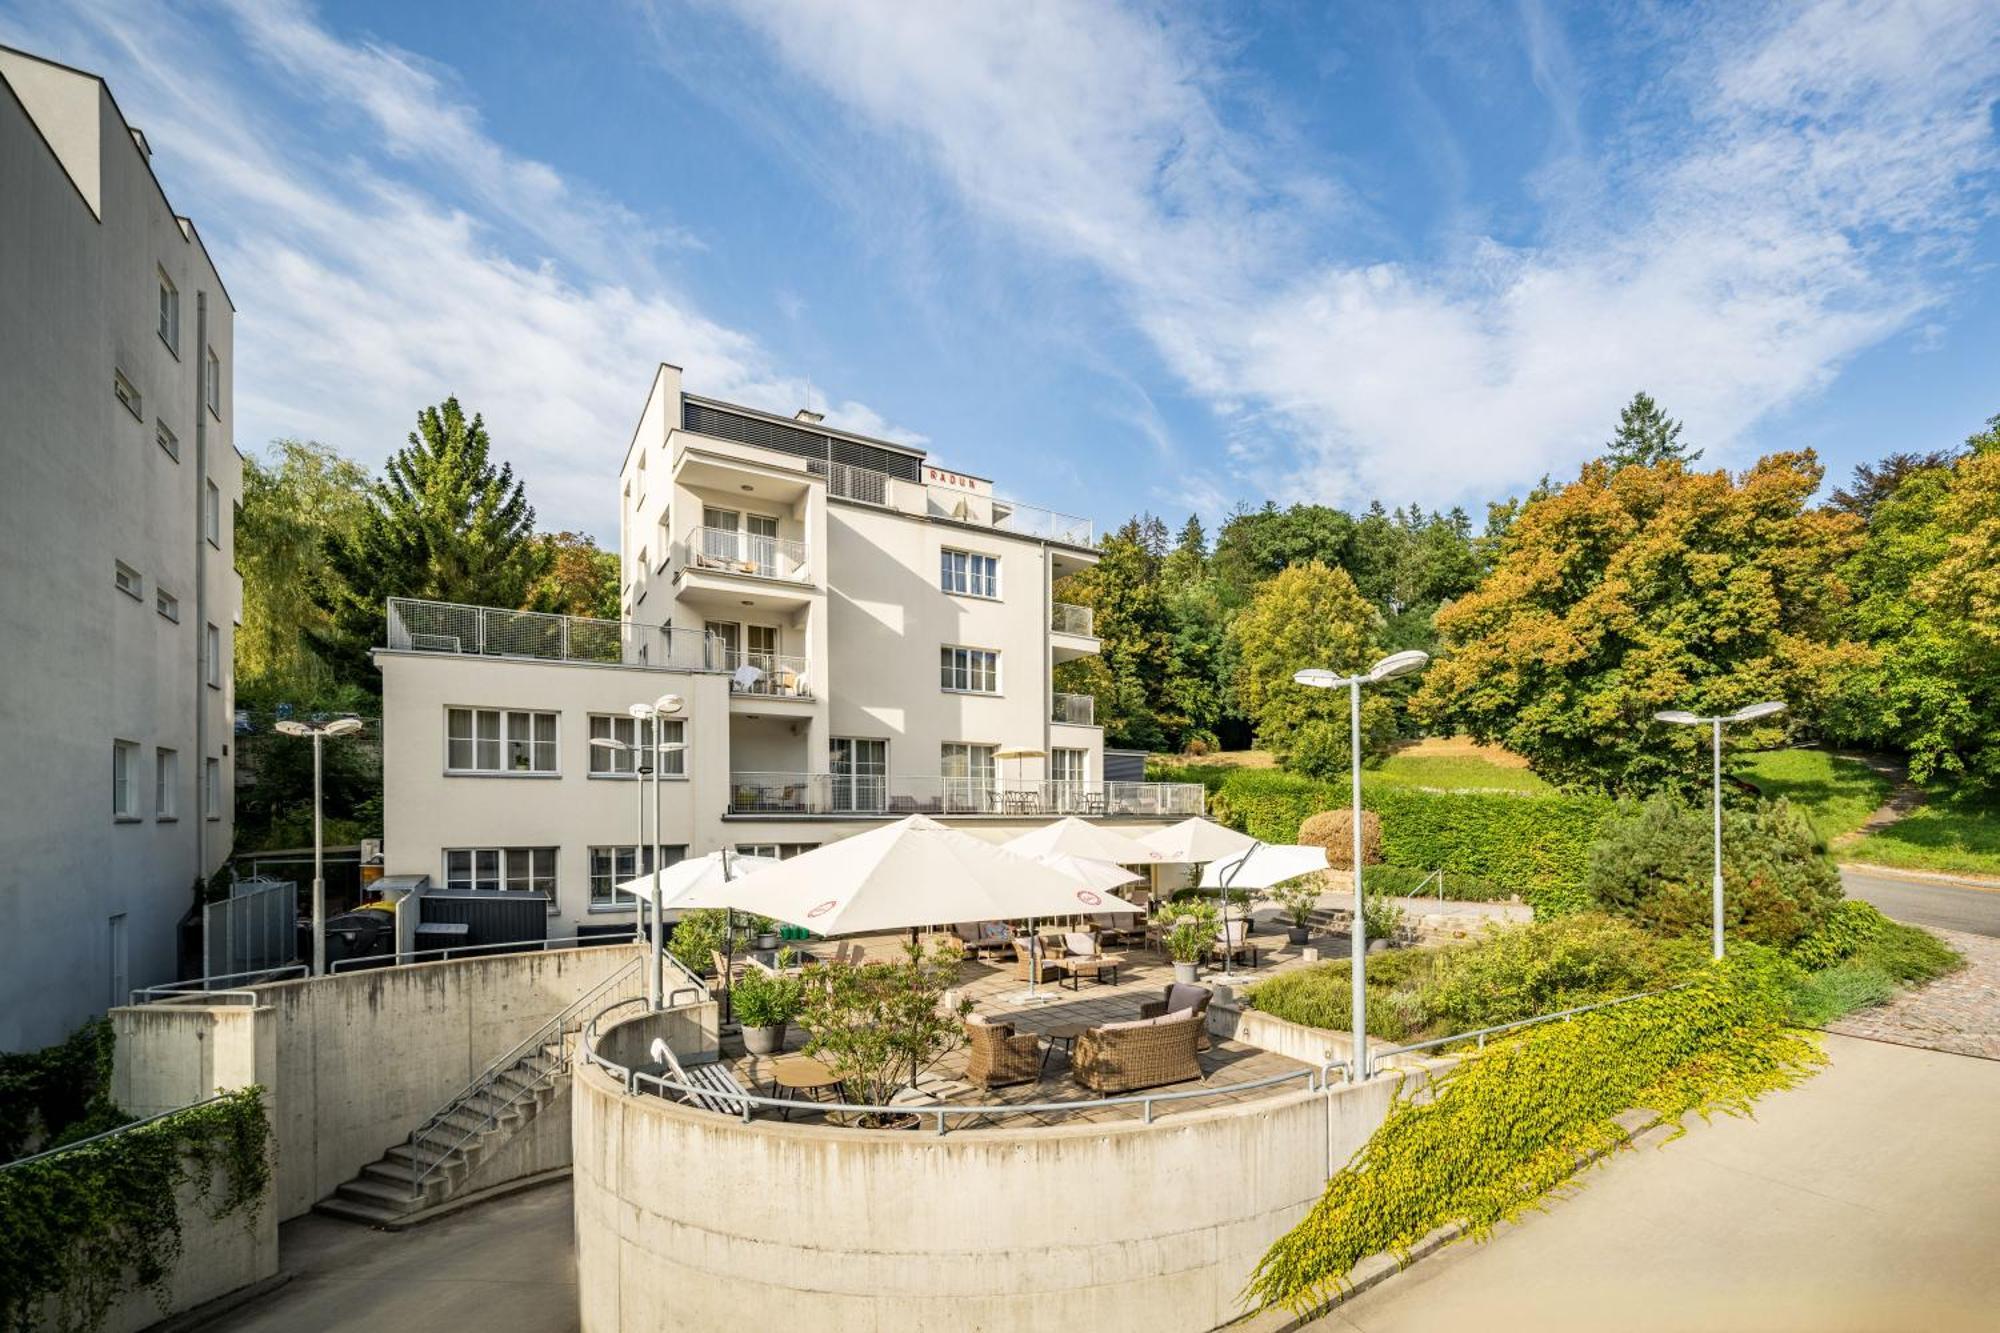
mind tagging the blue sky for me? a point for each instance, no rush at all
(1116, 257)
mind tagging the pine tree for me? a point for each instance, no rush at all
(1646, 436)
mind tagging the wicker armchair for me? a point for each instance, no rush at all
(996, 1055)
(1029, 967)
(1182, 998)
(1142, 1053)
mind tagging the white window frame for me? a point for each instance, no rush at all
(962, 668)
(168, 605)
(128, 580)
(976, 786)
(170, 314)
(610, 866)
(212, 384)
(504, 740)
(163, 435)
(211, 515)
(212, 787)
(125, 781)
(783, 851)
(619, 765)
(858, 785)
(128, 394)
(166, 784)
(964, 573)
(211, 652)
(666, 536)
(512, 870)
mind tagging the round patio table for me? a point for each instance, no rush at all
(793, 1075)
(1066, 1035)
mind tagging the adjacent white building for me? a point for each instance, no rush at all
(118, 594)
(856, 633)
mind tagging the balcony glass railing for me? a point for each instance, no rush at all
(731, 551)
(1075, 709)
(774, 793)
(1068, 618)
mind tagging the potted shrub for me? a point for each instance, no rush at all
(764, 1004)
(1298, 897)
(877, 1026)
(1382, 918)
(765, 930)
(1196, 925)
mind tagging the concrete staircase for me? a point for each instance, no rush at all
(429, 1171)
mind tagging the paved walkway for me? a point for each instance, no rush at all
(508, 1266)
(1959, 1013)
(1864, 1199)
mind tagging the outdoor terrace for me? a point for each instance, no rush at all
(895, 795)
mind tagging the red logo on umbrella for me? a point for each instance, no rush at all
(1087, 898)
(823, 908)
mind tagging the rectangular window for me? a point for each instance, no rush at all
(494, 740)
(170, 314)
(128, 580)
(212, 384)
(967, 771)
(211, 657)
(121, 979)
(124, 780)
(969, 670)
(781, 851)
(211, 515)
(167, 440)
(127, 394)
(631, 732)
(1069, 771)
(611, 866)
(501, 869)
(168, 605)
(166, 782)
(642, 475)
(968, 573)
(860, 773)
(212, 788)
(666, 537)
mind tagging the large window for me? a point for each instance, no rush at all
(509, 869)
(969, 670)
(166, 782)
(1070, 772)
(499, 740)
(781, 851)
(969, 573)
(606, 763)
(860, 773)
(124, 780)
(968, 775)
(612, 866)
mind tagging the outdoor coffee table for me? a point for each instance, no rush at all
(792, 1075)
(1067, 1035)
(1096, 967)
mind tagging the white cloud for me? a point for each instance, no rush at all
(1784, 203)
(401, 254)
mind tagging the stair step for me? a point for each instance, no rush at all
(381, 1194)
(406, 1154)
(400, 1174)
(368, 1214)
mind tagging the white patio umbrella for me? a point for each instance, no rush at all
(1088, 872)
(698, 881)
(1258, 866)
(1197, 839)
(1071, 836)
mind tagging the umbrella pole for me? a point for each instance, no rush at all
(1228, 878)
(1033, 994)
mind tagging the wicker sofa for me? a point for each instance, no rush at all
(1182, 998)
(1140, 1053)
(996, 1055)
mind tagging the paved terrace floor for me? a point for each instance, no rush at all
(1144, 976)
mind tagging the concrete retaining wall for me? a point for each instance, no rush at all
(690, 1220)
(217, 1257)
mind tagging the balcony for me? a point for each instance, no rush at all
(1069, 618)
(488, 631)
(767, 675)
(728, 551)
(1078, 710)
(891, 797)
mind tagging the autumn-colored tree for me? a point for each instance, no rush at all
(581, 579)
(1640, 588)
(1307, 616)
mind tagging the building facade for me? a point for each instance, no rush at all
(118, 593)
(855, 632)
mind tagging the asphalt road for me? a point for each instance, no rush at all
(1946, 904)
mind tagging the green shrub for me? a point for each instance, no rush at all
(1197, 925)
(1318, 996)
(57, 1089)
(1536, 846)
(1908, 954)
(1407, 881)
(1821, 997)
(1655, 864)
(1848, 925)
(1511, 1122)
(760, 999)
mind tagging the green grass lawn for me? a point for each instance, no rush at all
(1836, 793)
(1453, 772)
(1961, 836)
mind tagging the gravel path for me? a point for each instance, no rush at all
(1958, 1014)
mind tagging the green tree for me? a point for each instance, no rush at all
(1874, 483)
(444, 524)
(1646, 436)
(1641, 588)
(581, 578)
(298, 499)
(1126, 677)
(1308, 616)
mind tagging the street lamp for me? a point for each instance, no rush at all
(1395, 664)
(1748, 713)
(319, 731)
(666, 706)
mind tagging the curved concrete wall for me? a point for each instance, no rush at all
(693, 1221)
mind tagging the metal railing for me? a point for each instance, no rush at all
(852, 483)
(990, 511)
(735, 552)
(547, 1034)
(1073, 709)
(204, 986)
(1479, 1035)
(799, 793)
(1069, 618)
(776, 675)
(120, 1129)
(445, 954)
(488, 631)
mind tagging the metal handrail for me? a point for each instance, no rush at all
(230, 996)
(541, 1036)
(517, 946)
(728, 549)
(171, 989)
(1481, 1034)
(121, 1129)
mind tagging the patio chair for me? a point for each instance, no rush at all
(1081, 944)
(1033, 961)
(983, 936)
(1139, 1053)
(1182, 998)
(710, 1086)
(997, 1056)
(1119, 927)
(1234, 942)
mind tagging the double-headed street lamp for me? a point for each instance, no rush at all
(647, 719)
(1395, 664)
(1748, 713)
(319, 731)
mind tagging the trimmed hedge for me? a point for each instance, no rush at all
(1538, 846)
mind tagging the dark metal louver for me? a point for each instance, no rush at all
(820, 448)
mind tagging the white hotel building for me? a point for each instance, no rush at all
(858, 634)
(118, 590)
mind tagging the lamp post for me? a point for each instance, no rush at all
(1395, 664)
(641, 766)
(666, 706)
(1748, 713)
(319, 731)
